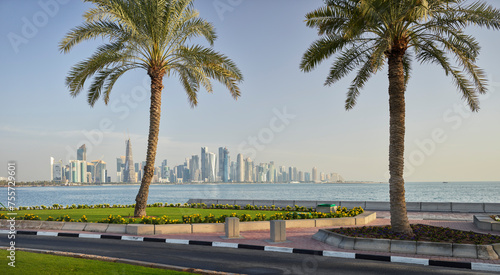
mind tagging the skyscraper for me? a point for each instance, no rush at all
(212, 158)
(248, 170)
(81, 153)
(204, 163)
(220, 173)
(240, 169)
(315, 174)
(120, 165)
(129, 171)
(51, 169)
(225, 165)
(194, 167)
(164, 169)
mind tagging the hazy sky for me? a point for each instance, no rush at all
(295, 120)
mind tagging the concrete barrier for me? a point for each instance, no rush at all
(464, 250)
(436, 249)
(254, 226)
(207, 227)
(486, 252)
(262, 203)
(378, 205)
(492, 208)
(485, 222)
(230, 202)
(436, 206)
(140, 229)
(372, 244)
(161, 229)
(308, 204)
(52, 225)
(300, 223)
(28, 224)
(283, 203)
(401, 246)
(243, 203)
(467, 207)
(210, 202)
(412, 206)
(74, 226)
(117, 228)
(96, 227)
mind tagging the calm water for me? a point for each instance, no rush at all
(125, 194)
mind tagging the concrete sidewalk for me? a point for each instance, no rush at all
(301, 238)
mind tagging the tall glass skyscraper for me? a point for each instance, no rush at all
(204, 163)
(81, 153)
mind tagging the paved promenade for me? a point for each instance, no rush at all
(301, 238)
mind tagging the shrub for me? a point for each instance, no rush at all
(113, 219)
(29, 217)
(83, 219)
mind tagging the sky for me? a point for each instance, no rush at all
(283, 114)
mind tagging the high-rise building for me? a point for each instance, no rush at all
(129, 171)
(81, 153)
(240, 169)
(315, 176)
(120, 165)
(100, 172)
(248, 170)
(57, 171)
(220, 173)
(194, 167)
(78, 171)
(164, 169)
(212, 158)
(204, 163)
(225, 165)
(271, 173)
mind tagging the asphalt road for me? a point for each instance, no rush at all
(225, 259)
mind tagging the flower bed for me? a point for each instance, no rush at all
(422, 233)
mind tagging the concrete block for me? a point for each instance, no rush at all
(400, 246)
(496, 247)
(254, 226)
(52, 225)
(435, 249)
(243, 203)
(4, 223)
(117, 228)
(308, 204)
(365, 218)
(492, 208)
(378, 205)
(262, 202)
(352, 204)
(383, 245)
(346, 243)
(207, 227)
(300, 223)
(436, 206)
(486, 252)
(326, 209)
(232, 227)
(483, 222)
(334, 239)
(161, 229)
(465, 250)
(75, 226)
(230, 202)
(467, 207)
(140, 229)
(278, 231)
(96, 227)
(22, 224)
(412, 206)
(283, 203)
(321, 235)
(495, 226)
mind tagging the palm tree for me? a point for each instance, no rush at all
(150, 35)
(366, 33)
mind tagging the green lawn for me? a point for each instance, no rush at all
(34, 263)
(94, 215)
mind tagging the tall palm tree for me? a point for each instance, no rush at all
(150, 35)
(366, 33)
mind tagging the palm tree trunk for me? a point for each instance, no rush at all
(399, 218)
(141, 199)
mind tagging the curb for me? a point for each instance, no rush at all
(325, 253)
(123, 261)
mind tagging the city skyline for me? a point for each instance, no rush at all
(283, 114)
(128, 171)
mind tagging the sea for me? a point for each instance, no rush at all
(125, 194)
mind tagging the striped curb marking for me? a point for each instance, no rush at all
(336, 254)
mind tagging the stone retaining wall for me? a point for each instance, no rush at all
(487, 252)
(150, 229)
(485, 222)
(367, 205)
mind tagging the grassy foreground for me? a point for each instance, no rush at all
(35, 263)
